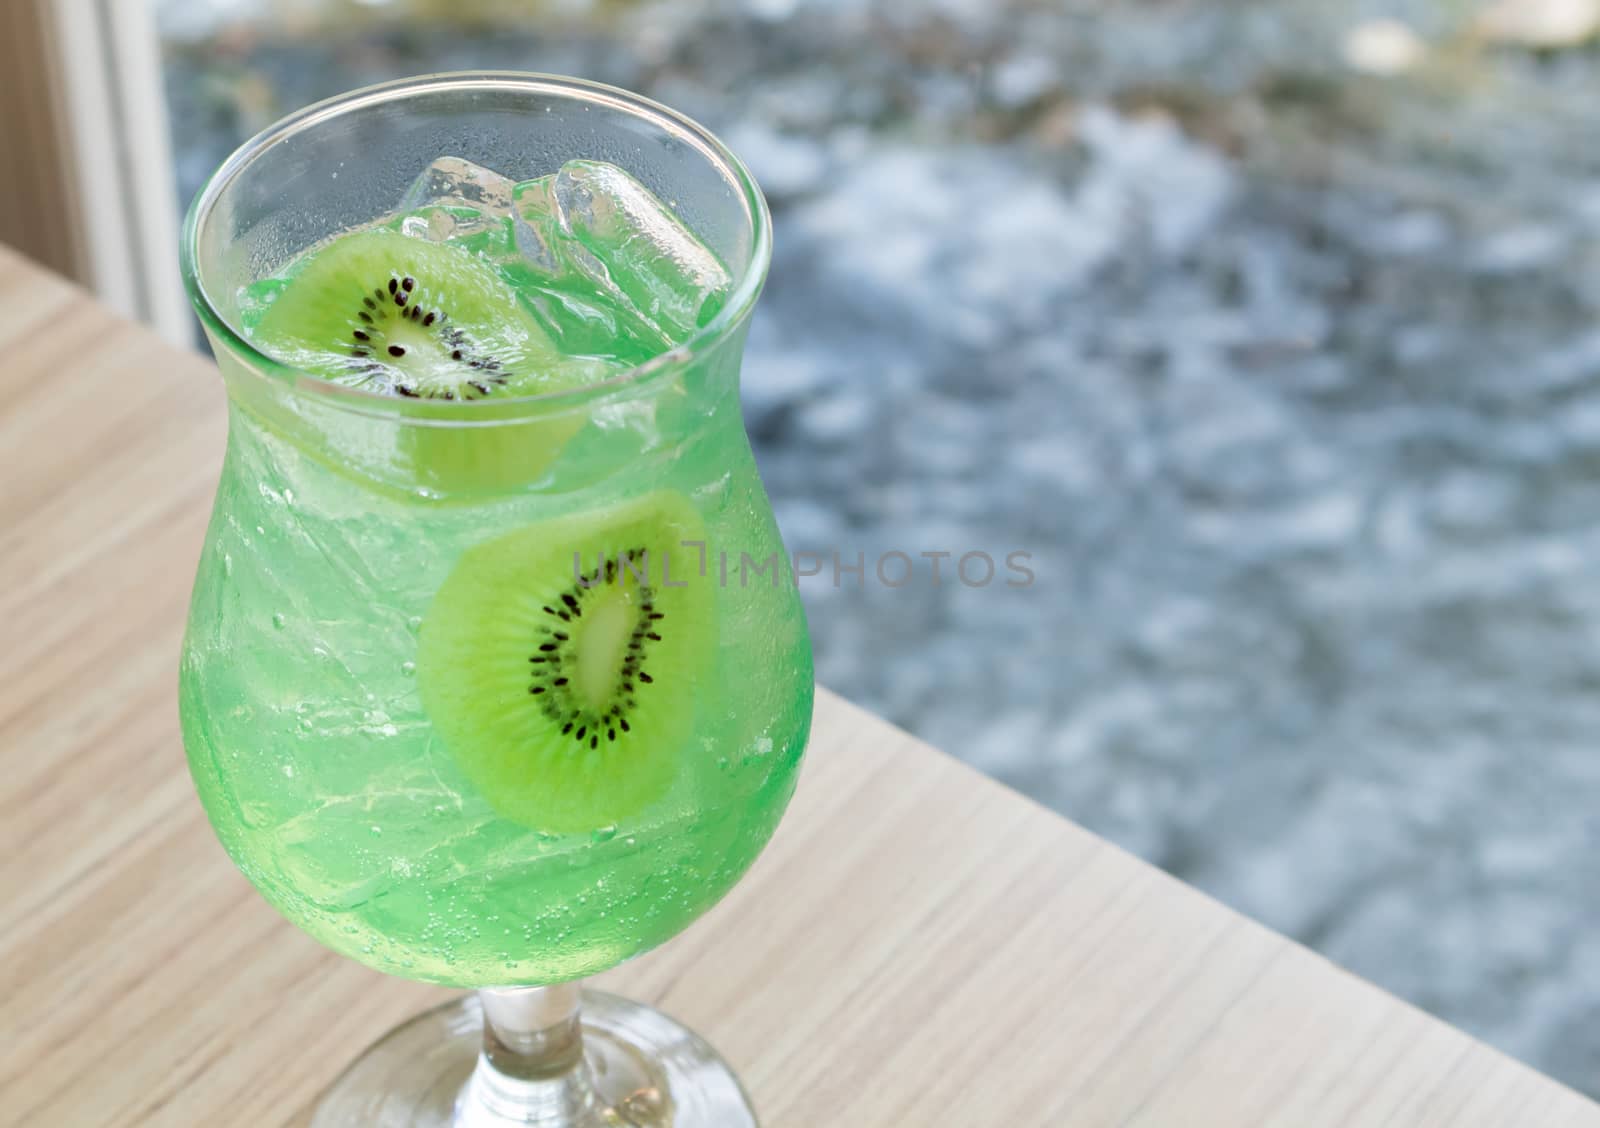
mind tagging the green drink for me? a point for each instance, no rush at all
(495, 673)
(307, 731)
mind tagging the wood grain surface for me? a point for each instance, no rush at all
(918, 947)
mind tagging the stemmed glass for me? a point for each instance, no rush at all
(316, 743)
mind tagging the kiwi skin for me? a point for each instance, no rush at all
(567, 696)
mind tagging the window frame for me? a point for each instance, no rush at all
(89, 184)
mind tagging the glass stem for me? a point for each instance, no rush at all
(531, 1071)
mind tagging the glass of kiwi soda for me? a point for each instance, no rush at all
(495, 673)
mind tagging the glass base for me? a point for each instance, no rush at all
(645, 1070)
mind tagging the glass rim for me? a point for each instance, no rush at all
(741, 299)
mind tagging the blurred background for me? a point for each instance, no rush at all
(1270, 329)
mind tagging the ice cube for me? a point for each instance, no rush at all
(670, 275)
(479, 232)
(609, 252)
(457, 181)
(569, 287)
(533, 219)
(456, 201)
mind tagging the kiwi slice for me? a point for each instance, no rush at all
(419, 320)
(408, 316)
(559, 663)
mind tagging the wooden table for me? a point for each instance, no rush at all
(918, 947)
